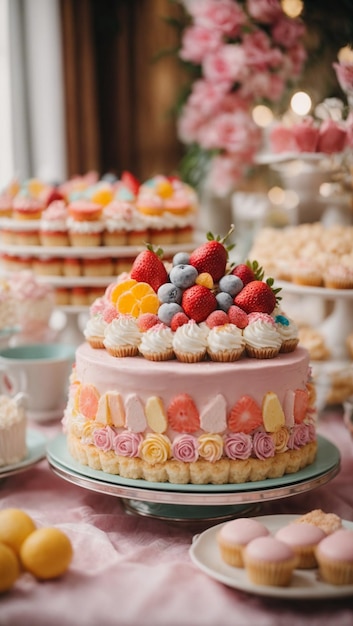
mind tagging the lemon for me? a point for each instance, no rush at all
(15, 526)
(9, 567)
(46, 553)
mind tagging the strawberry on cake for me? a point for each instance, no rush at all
(192, 402)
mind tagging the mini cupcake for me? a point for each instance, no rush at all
(303, 539)
(122, 337)
(116, 217)
(13, 423)
(157, 343)
(190, 342)
(306, 272)
(47, 266)
(79, 296)
(85, 223)
(233, 537)
(334, 555)
(94, 331)
(288, 332)
(103, 266)
(72, 266)
(27, 208)
(5, 205)
(269, 561)
(137, 229)
(338, 276)
(262, 339)
(225, 343)
(53, 226)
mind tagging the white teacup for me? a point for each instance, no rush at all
(41, 372)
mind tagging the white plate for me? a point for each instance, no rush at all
(36, 449)
(305, 584)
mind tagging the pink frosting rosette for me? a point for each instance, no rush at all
(238, 446)
(103, 438)
(263, 445)
(185, 448)
(127, 443)
(299, 436)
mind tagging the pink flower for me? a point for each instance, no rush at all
(259, 53)
(344, 73)
(234, 132)
(286, 31)
(225, 171)
(264, 11)
(208, 97)
(223, 15)
(189, 124)
(306, 135)
(263, 85)
(332, 137)
(227, 64)
(197, 42)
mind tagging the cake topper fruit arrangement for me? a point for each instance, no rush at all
(201, 286)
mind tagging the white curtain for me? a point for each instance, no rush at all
(36, 119)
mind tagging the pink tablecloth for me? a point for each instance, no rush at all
(135, 570)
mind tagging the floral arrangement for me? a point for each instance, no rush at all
(330, 129)
(243, 53)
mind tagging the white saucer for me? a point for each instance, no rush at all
(305, 585)
(36, 449)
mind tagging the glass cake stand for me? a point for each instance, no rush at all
(194, 503)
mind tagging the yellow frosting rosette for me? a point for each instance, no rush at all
(155, 448)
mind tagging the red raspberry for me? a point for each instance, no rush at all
(237, 316)
(179, 319)
(217, 318)
(147, 320)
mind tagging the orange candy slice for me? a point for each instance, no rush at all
(88, 401)
(121, 288)
(139, 299)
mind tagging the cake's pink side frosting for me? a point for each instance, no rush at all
(167, 379)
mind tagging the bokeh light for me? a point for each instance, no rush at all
(301, 103)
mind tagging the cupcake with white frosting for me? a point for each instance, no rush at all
(157, 343)
(190, 342)
(262, 339)
(288, 332)
(94, 331)
(122, 336)
(225, 343)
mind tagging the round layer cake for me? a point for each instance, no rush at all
(205, 422)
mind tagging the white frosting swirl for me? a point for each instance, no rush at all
(122, 331)
(286, 328)
(190, 338)
(85, 226)
(11, 412)
(157, 339)
(95, 326)
(225, 338)
(260, 333)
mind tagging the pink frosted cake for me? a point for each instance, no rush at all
(170, 387)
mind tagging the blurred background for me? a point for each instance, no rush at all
(88, 84)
